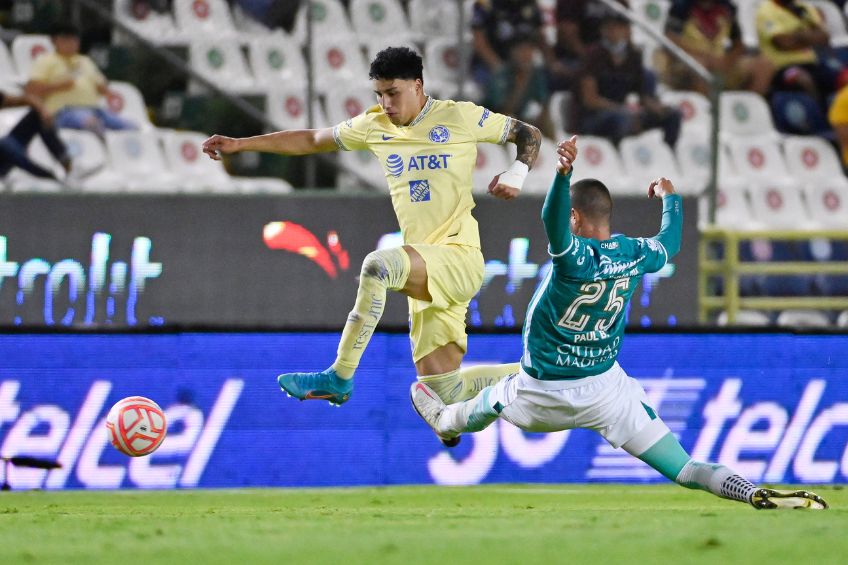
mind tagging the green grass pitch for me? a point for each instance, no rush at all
(518, 524)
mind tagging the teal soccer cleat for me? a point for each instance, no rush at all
(325, 385)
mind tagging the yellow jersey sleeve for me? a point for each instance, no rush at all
(352, 134)
(486, 126)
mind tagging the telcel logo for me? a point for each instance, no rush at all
(123, 279)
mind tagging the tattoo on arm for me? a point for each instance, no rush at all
(527, 139)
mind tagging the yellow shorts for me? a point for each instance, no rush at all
(454, 276)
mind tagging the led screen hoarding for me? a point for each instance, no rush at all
(772, 406)
(282, 263)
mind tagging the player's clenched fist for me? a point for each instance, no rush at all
(660, 187)
(567, 153)
(218, 144)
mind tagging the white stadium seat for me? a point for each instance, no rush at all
(695, 108)
(827, 204)
(599, 159)
(262, 185)
(433, 18)
(757, 158)
(443, 69)
(286, 108)
(276, 59)
(196, 170)
(20, 181)
(834, 21)
(125, 100)
(26, 49)
(156, 27)
(692, 152)
(336, 63)
(803, 319)
(645, 158)
(9, 117)
(778, 205)
(88, 154)
(560, 106)
(329, 19)
(654, 13)
(379, 23)
(732, 207)
(9, 77)
(137, 155)
(842, 320)
(204, 18)
(491, 160)
(221, 62)
(541, 176)
(366, 165)
(753, 318)
(744, 114)
(812, 159)
(345, 103)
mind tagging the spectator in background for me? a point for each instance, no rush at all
(613, 96)
(838, 118)
(13, 147)
(70, 84)
(507, 38)
(708, 30)
(578, 24)
(794, 38)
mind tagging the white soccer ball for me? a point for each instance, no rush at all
(136, 426)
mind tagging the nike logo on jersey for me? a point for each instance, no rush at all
(387, 137)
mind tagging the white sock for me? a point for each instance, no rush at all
(717, 479)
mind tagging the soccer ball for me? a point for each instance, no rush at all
(136, 426)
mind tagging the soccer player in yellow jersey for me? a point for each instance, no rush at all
(428, 150)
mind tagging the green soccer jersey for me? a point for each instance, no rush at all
(575, 321)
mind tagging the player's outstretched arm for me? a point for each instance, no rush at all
(527, 139)
(289, 142)
(671, 230)
(556, 211)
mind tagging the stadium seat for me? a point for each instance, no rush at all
(541, 176)
(757, 158)
(88, 154)
(276, 58)
(692, 152)
(20, 181)
(798, 113)
(833, 20)
(204, 18)
(262, 185)
(335, 63)
(221, 62)
(751, 318)
(778, 205)
(599, 159)
(813, 160)
(745, 114)
(125, 100)
(654, 13)
(430, 19)
(491, 160)
(379, 23)
(197, 172)
(329, 19)
(286, 107)
(26, 48)
(341, 104)
(9, 117)
(560, 105)
(157, 27)
(801, 319)
(645, 158)
(362, 170)
(695, 108)
(732, 207)
(828, 204)
(746, 17)
(246, 24)
(842, 320)
(444, 69)
(9, 77)
(137, 156)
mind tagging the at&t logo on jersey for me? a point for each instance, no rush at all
(439, 134)
(395, 164)
(419, 191)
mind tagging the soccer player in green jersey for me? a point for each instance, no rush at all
(569, 375)
(428, 149)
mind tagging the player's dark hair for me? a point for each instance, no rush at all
(64, 29)
(592, 199)
(397, 62)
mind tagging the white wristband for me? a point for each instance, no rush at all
(515, 175)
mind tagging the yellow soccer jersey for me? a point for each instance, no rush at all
(428, 164)
(772, 20)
